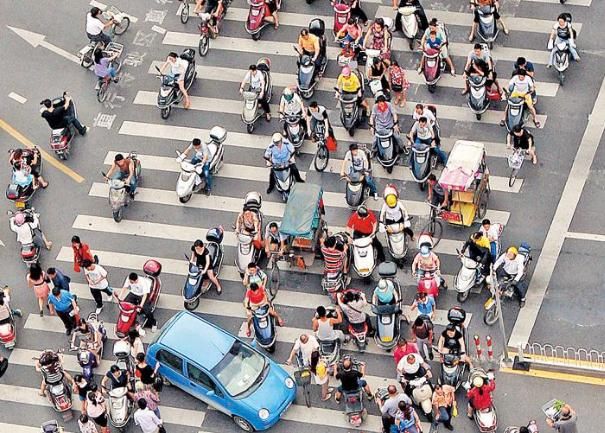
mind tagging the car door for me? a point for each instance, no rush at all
(205, 388)
(172, 368)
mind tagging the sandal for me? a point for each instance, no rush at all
(502, 123)
(538, 124)
(219, 290)
(328, 397)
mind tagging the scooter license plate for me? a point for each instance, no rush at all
(20, 205)
(387, 339)
(488, 304)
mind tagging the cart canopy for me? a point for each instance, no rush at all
(302, 214)
(463, 165)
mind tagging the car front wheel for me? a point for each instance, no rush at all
(243, 424)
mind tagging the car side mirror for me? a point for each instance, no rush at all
(210, 394)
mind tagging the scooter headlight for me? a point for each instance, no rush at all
(263, 414)
(289, 382)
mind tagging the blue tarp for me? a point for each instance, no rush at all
(302, 210)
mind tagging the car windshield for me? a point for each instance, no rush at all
(240, 369)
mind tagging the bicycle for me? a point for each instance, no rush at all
(185, 10)
(322, 154)
(434, 227)
(515, 161)
(121, 22)
(113, 50)
(302, 377)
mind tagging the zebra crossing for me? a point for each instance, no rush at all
(157, 225)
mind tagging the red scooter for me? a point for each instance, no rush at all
(432, 67)
(255, 22)
(428, 284)
(342, 13)
(8, 332)
(358, 331)
(128, 311)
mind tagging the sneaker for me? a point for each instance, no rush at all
(86, 129)
(41, 313)
(375, 195)
(68, 332)
(142, 332)
(522, 303)
(116, 79)
(269, 190)
(18, 312)
(449, 427)
(154, 328)
(98, 310)
(548, 66)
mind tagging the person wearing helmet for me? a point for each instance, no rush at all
(291, 104)
(509, 265)
(348, 83)
(254, 80)
(357, 160)
(452, 341)
(124, 169)
(427, 261)
(362, 223)
(479, 249)
(385, 293)
(412, 367)
(393, 213)
(280, 153)
(27, 228)
(480, 395)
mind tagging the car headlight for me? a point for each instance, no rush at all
(289, 382)
(263, 414)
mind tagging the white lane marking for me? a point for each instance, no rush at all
(586, 3)
(103, 6)
(568, 203)
(18, 428)
(232, 106)
(586, 236)
(36, 39)
(15, 96)
(158, 29)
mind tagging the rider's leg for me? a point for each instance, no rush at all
(215, 280)
(273, 312)
(208, 176)
(186, 100)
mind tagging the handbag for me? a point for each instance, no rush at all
(162, 429)
(331, 144)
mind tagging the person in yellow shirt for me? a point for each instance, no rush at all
(349, 83)
(309, 44)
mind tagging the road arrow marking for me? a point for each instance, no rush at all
(36, 39)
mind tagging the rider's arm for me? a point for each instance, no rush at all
(338, 319)
(315, 324)
(317, 48)
(520, 269)
(509, 140)
(130, 170)
(415, 263)
(499, 261)
(244, 81)
(345, 163)
(437, 261)
(111, 170)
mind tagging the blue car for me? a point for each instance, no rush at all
(223, 371)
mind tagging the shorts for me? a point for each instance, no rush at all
(362, 384)
(271, 6)
(101, 420)
(527, 96)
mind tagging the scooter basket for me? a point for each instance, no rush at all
(303, 377)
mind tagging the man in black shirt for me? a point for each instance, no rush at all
(351, 379)
(62, 116)
(520, 138)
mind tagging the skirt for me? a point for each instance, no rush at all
(41, 290)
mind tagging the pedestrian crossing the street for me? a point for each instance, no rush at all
(157, 225)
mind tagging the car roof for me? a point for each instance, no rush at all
(197, 339)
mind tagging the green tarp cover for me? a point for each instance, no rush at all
(302, 210)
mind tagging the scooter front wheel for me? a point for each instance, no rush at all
(478, 116)
(165, 112)
(250, 128)
(117, 215)
(432, 88)
(185, 198)
(491, 315)
(191, 306)
(204, 45)
(256, 36)
(462, 296)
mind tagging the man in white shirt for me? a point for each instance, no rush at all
(522, 86)
(512, 263)
(96, 276)
(303, 349)
(356, 160)
(138, 294)
(26, 230)
(178, 70)
(146, 419)
(95, 27)
(254, 81)
(201, 155)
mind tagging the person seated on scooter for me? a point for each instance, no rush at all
(215, 8)
(62, 116)
(385, 293)
(431, 43)
(52, 361)
(309, 44)
(440, 34)
(177, 69)
(357, 12)
(480, 62)
(389, 408)
(139, 290)
(351, 379)
(254, 81)
(420, 14)
(124, 169)
(248, 223)
(430, 112)
(384, 118)
(522, 86)
(437, 195)
(28, 230)
(423, 135)
(254, 275)
(335, 259)
(85, 330)
(103, 68)
(362, 223)
(479, 249)
(478, 4)
(522, 63)
(201, 155)
(115, 378)
(255, 298)
(452, 341)
(291, 104)
(480, 395)
(511, 265)
(28, 163)
(270, 13)
(356, 160)
(348, 84)
(95, 27)
(280, 153)
(378, 38)
(201, 258)
(412, 367)
(323, 326)
(5, 308)
(393, 211)
(275, 241)
(378, 71)
(521, 138)
(427, 261)
(352, 304)
(318, 114)
(562, 31)
(351, 32)
(492, 232)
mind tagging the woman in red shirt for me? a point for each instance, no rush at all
(363, 223)
(255, 298)
(81, 253)
(480, 395)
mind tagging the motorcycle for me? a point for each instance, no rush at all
(198, 283)
(192, 180)
(487, 29)
(364, 256)
(56, 388)
(342, 13)
(480, 97)
(250, 111)
(561, 59)
(388, 317)
(246, 252)
(356, 191)
(433, 66)
(169, 93)
(470, 275)
(397, 240)
(255, 22)
(517, 112)
(506, 287)
(119, 192)
(350, 113)
(384, 142)
(21, 187)
(283, 179)
(61, 138)
(423, 161)
(295, 133)
(264, 328)
(120, 24)
(127, 318)
(487, 419)
(308, 74)
(30, 253)
(409, 24)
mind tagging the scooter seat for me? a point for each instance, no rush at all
(6, 329)
(213, 250)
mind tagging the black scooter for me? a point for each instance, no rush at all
(308, 73)
(169, 93)
(422, 162)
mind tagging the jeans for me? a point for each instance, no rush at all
(371, 184)
(101, 37)
(493, 249)
(519, 288)
(205, 172)
(71, 119)
(133, 180)
(96, 294)
(441, 155)
(444, 416)
(572, 50)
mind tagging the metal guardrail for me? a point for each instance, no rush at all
(588, 360)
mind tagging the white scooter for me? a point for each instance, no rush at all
(487, 419)
(409, 23)
(120, 407)
(364, 256)
(246, 253)
(397, 240)
(191, 180)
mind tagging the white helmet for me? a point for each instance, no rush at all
(277, 137)
(288, 94)
(382, 285)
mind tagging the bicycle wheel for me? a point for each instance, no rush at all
(435, 229)
(275, 280)
(102, 92)
(204, 45)
(120, 29)
(307, 392)
(185, 12)
(321, 158)
(513, 177)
